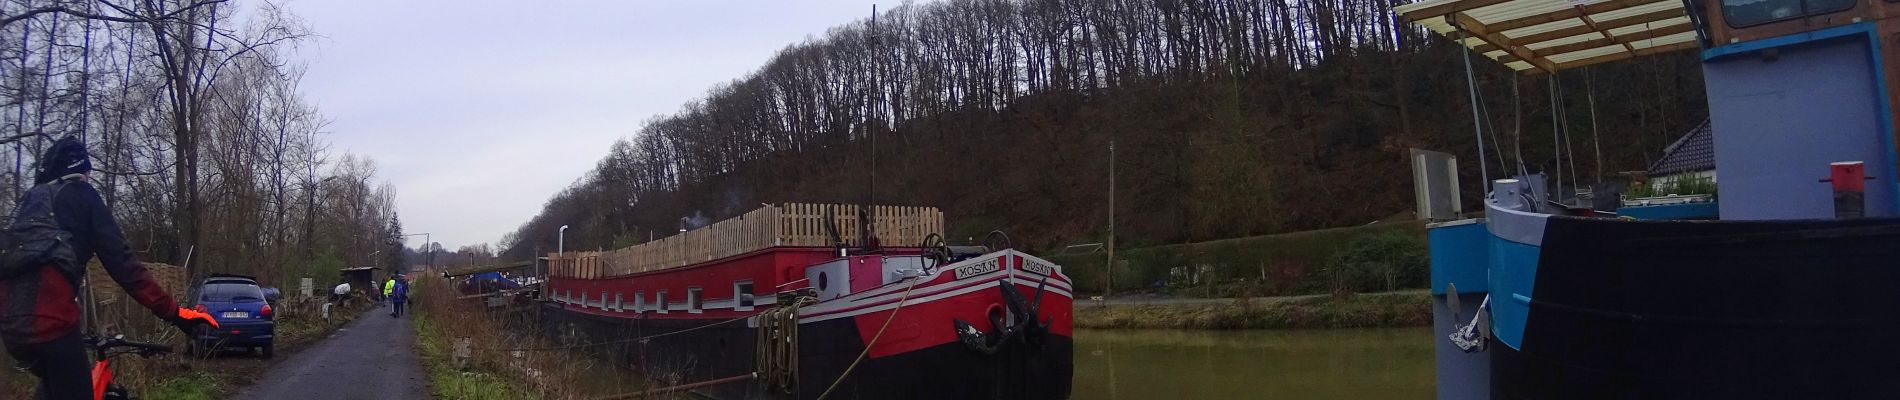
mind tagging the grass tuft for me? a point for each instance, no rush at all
(188, 386)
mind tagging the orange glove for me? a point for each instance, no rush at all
(187, 320)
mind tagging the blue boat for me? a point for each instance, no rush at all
(1793, 292)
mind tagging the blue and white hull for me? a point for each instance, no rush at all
(1594, 308)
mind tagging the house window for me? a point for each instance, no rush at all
(639, 301)
(693, 300)
(1741, 13)
(617, 302)
(659, 300)
(742, 295)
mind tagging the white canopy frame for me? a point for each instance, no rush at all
(1546, 36)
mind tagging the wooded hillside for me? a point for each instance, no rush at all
(1229, 118)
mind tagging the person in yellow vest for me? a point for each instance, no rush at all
(390, 285)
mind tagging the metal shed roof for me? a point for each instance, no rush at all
(1553, 35)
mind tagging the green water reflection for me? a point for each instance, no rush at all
(1257, 364)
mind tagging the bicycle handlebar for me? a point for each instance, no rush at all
(142, 347)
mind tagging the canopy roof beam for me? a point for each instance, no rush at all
(1605, 31)
(1569, 13)
(1448, 8)
(1532, 36)
(1627, 55)
(1624, 40)
(1480, 31)
(1583, 29)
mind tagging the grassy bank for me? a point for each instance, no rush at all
(440, 318)
(1298, 263)
(1351, 311)
(508, 359)
(450, 382)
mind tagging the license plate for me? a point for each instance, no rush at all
(236, 314)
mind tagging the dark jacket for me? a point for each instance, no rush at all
(39, 307)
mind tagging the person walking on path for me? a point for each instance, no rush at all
(399, 294)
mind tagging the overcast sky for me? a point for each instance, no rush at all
(479, 111)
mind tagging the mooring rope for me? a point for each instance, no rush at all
(873, 342)
(776, 357)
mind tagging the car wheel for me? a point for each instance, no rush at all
(268, 351)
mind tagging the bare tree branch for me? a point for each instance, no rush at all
(23, 136)
(159, 170)
(131, 17)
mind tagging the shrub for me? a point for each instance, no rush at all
(1381, 262)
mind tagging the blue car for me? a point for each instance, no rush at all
(243, 312)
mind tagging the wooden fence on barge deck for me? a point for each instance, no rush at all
(791, 225)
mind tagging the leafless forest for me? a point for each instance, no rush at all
(204, 145)
(1230, 118)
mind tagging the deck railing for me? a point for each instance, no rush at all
(787, 225)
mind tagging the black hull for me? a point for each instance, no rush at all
(946, 371)
(827, 348)
(1772, 310)
(706, 353)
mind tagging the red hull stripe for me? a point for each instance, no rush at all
(918, 298)
(892, 292)
(873, 298)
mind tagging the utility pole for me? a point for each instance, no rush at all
(877, 95)
(1108, 288)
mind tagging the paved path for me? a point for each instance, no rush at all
(373, 357)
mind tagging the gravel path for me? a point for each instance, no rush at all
(373, 357)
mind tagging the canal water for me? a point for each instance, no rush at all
(1394, 363)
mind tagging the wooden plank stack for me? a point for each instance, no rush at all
(785, 225)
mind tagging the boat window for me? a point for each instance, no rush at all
(617, 302)
(639, 301)
(693, 301)
(659, 299)
(742, 295)
(1741, 13)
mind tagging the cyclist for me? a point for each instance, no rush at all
(39, 313)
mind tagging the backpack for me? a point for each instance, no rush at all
(34, 238)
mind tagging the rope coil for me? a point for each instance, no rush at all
(776, 357)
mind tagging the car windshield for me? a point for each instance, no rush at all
(232, 291)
